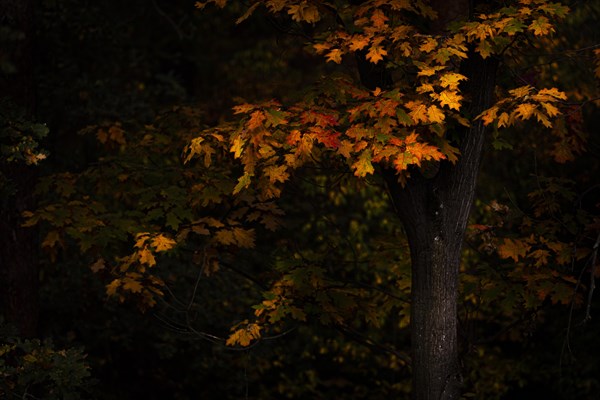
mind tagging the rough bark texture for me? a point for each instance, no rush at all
(434, 212)
(18, 261)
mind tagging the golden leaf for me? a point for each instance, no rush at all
(418, 111)
(429, 45)
(162, 243)
(514, 249)
(146, 257)
(98, 265)
(435, 114)
(359, 42)
(335, 55)
(376, 54)
(525, 110)
(451, 99)
(451, 80)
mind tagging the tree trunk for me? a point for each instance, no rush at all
(18, 262)
(434, 212)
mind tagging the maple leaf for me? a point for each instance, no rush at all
(418, 111)
(111, 288)
(277, 173)
(244, 336)
(513, 249)
(225, 237)
(146, 257)
(503, 120)
(162, 243)
(541, 26)
(304, 12)
(244, 237)
(379, 19)
(359, 42)
(132, 285)
(450, 98)
(237, 146)
(376, 54)
(554, 92)
(525, 110)
(363, 165)
(335, 55)
(551, 110)
(321, 47)
(98, 265)
(435, 114)
(451, 80)
(256, 120)
(51, 239)
(429, 45)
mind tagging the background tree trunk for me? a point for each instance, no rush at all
(19, 275)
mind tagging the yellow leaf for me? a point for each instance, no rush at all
(363, 165)
(376, 54)
(238, 146)
(525, 110)
(225, 237)
(451, 99)
(277, 173)
(451, 80)
(141, 238)
(514, 249)
(541, 26)
(51, 239)
(162, 243)
(418, 111)
(132, 285)
(489, 115)
(244, 336)
(112, 287)
(98, 265)
(244, 237)
(503, 120)
(304, 12)
(359, 42)
(435, 114)
(429, 45)
(521, 91)
(554, 92)
(146, 257)
(550, 109)
(335, 55)
(379, 19)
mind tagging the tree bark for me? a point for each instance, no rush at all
(19, 275)
(435, 212)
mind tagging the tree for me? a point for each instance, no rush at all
(412, 116)
(409, 127)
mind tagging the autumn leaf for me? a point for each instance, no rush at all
(244, 336)
(277, 173)
(541, 26)
(162, 243)
(376, 54)
(146, 257)
(359, 42)
(451, 80)
(418, 111)
(435, 114)
(335, 55)
(132, 285)
(98, 265)
(429, 45)
(514, 249)
(525, 110)
(363, 165)
(450, 98)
